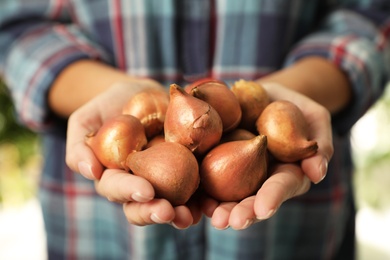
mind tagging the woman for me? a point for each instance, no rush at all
(71, 65)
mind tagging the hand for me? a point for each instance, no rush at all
(286, 180)
(90, 117)
(139, 205)
(320, 129)
(135, 193)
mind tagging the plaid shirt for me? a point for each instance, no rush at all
(179, 41)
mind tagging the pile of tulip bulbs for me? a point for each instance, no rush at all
(205, 137)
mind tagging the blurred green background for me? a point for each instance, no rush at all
(20, 158)
(371, 149)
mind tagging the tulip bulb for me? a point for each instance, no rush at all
(235, 170)
(116, 139)
(287, 131)
(149, 106)
(191, 122)
(171, 168)
(221, 98)
(253, 99)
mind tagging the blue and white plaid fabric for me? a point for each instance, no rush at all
(179, 41)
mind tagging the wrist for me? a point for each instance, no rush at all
(316, 78)
(83, 80)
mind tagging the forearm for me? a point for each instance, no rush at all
(83, 80)
(316, 78)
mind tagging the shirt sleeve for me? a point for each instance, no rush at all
(37, 41)
(357, 41)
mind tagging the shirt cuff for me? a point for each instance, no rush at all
(34, 62)
(363, 64)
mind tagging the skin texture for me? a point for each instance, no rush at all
(84, 93)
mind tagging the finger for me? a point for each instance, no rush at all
(243, 214)
(156, 211)
(220, 217)
(79, 157)
(316, 167)
(208, 205)
(120, 186)
(194, 205)
(183, 217)
(286, 181)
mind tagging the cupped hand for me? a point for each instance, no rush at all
(135, 193)
(286, 180)
(90, 117)
(320, 129)
(139, 205)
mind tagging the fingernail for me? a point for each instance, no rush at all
(174, 225)
(267, 215)
(247, 223)
(156, 219)
(136, 196)
(323, 170)
(226, 227)
(86, 170)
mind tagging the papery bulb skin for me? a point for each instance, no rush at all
(235, 170)
(221, 98)
(236, 135)
(171, 168)
(253, 99)
(116, 139)
(287, 132)
(198, 82)
(191, 122)
(150, 107)
(155, 140)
